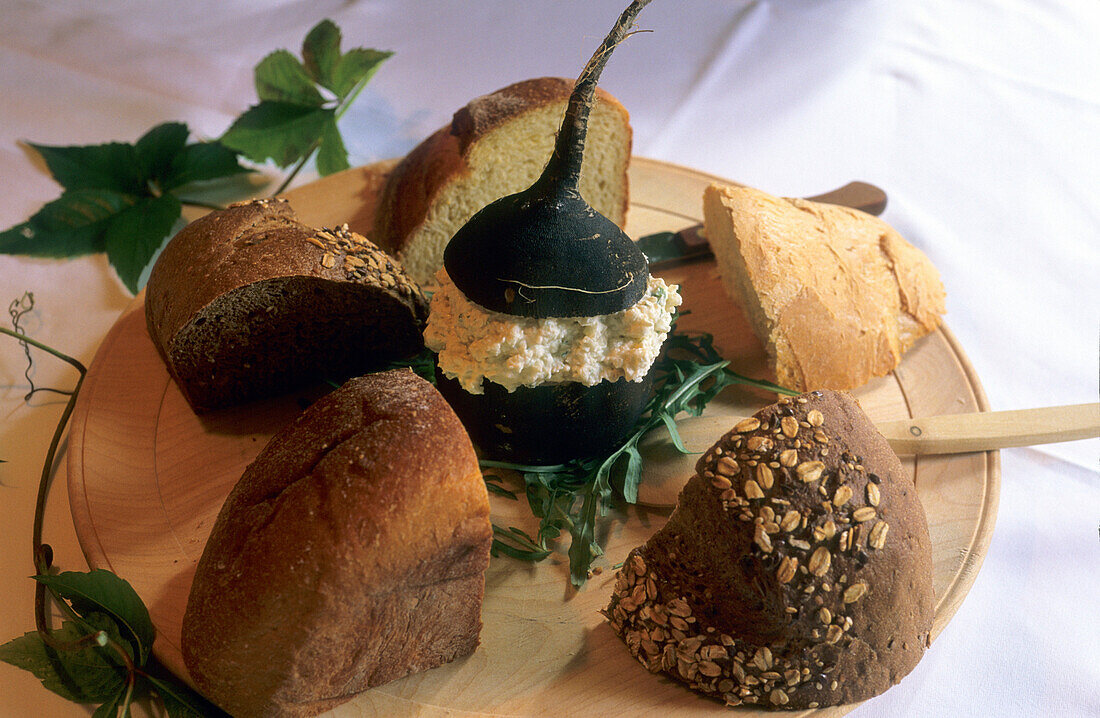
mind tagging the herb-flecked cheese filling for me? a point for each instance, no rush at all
(475, 344)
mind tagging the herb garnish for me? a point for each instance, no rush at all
(125, 199)
(102, 653)
(574, 496)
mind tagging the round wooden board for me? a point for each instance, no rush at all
(147, 477)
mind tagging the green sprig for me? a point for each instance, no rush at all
(573, 497)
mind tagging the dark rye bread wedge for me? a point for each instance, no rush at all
(248, 302)
(796, 569)
(351, 552)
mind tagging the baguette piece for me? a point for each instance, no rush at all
(836, 295)
(800, 586)
(496, 145)
(352, 552)
(249, 302)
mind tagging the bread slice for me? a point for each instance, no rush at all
(800, 586)
(351, 552)
(496, 145)
(249, 302)
(836, 295)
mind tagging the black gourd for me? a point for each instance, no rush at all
(545, 252)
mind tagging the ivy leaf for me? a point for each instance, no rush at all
(156, 149)
(281, 78)
(85, 675)
(112, 166)
(134, 236)
(200, 162)
(70, 226)
(280, 131)
(101, 591)
(332, 156)
(356, 67)
(321, 53)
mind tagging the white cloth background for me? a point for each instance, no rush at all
(981, 119)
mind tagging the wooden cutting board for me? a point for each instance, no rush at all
(146, 479)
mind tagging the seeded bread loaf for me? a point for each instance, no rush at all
(249, 302)
(795, 570)
(836, 295)
(351, 552)
(496, 145)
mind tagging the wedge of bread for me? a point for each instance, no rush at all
(836, 295)
(496, 145)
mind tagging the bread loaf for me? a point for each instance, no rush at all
(249, 302)
(836, 295)
(496, 145)
(795, 570)
(351, 552)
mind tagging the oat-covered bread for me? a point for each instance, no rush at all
(496, 145)
(795, 570)
(249, 302)
(351, 552)
(835, 294)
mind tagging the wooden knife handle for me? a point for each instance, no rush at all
(986, 431)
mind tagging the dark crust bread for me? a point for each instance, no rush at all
(796, 569)
(413, 184)
(351, 552)
(249, 302)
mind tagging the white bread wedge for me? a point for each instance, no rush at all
(836, 295)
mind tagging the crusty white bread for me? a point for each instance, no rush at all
(351, 552)
(496, 145)
(836, 295)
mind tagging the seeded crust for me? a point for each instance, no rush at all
(796, 569)
(352, 552)
(496, 145)
(836, 295)
(248, 302)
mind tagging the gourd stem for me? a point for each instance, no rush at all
(564, 168)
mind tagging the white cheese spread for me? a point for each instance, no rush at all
(475, 344)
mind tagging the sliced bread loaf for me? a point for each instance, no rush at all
(496, 145)
(249, 302)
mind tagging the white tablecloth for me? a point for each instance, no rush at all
(981, 119)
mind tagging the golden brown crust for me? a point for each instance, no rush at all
(247, 301)
(837, 295)
(352, 552)
(796, 569)
(438, 160)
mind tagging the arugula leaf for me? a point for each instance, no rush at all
(103, 592)
(575, 496)
(84, 675)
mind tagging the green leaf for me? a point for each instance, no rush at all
(281, 78)
(279, 131)
(85, 675)
(110, 708)
(201, 162)
(332, 156)
(321, 52)
(100, 591)
(156, 149)
(72, 225)
(134, 236)
(355, 68)
(112, 166)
